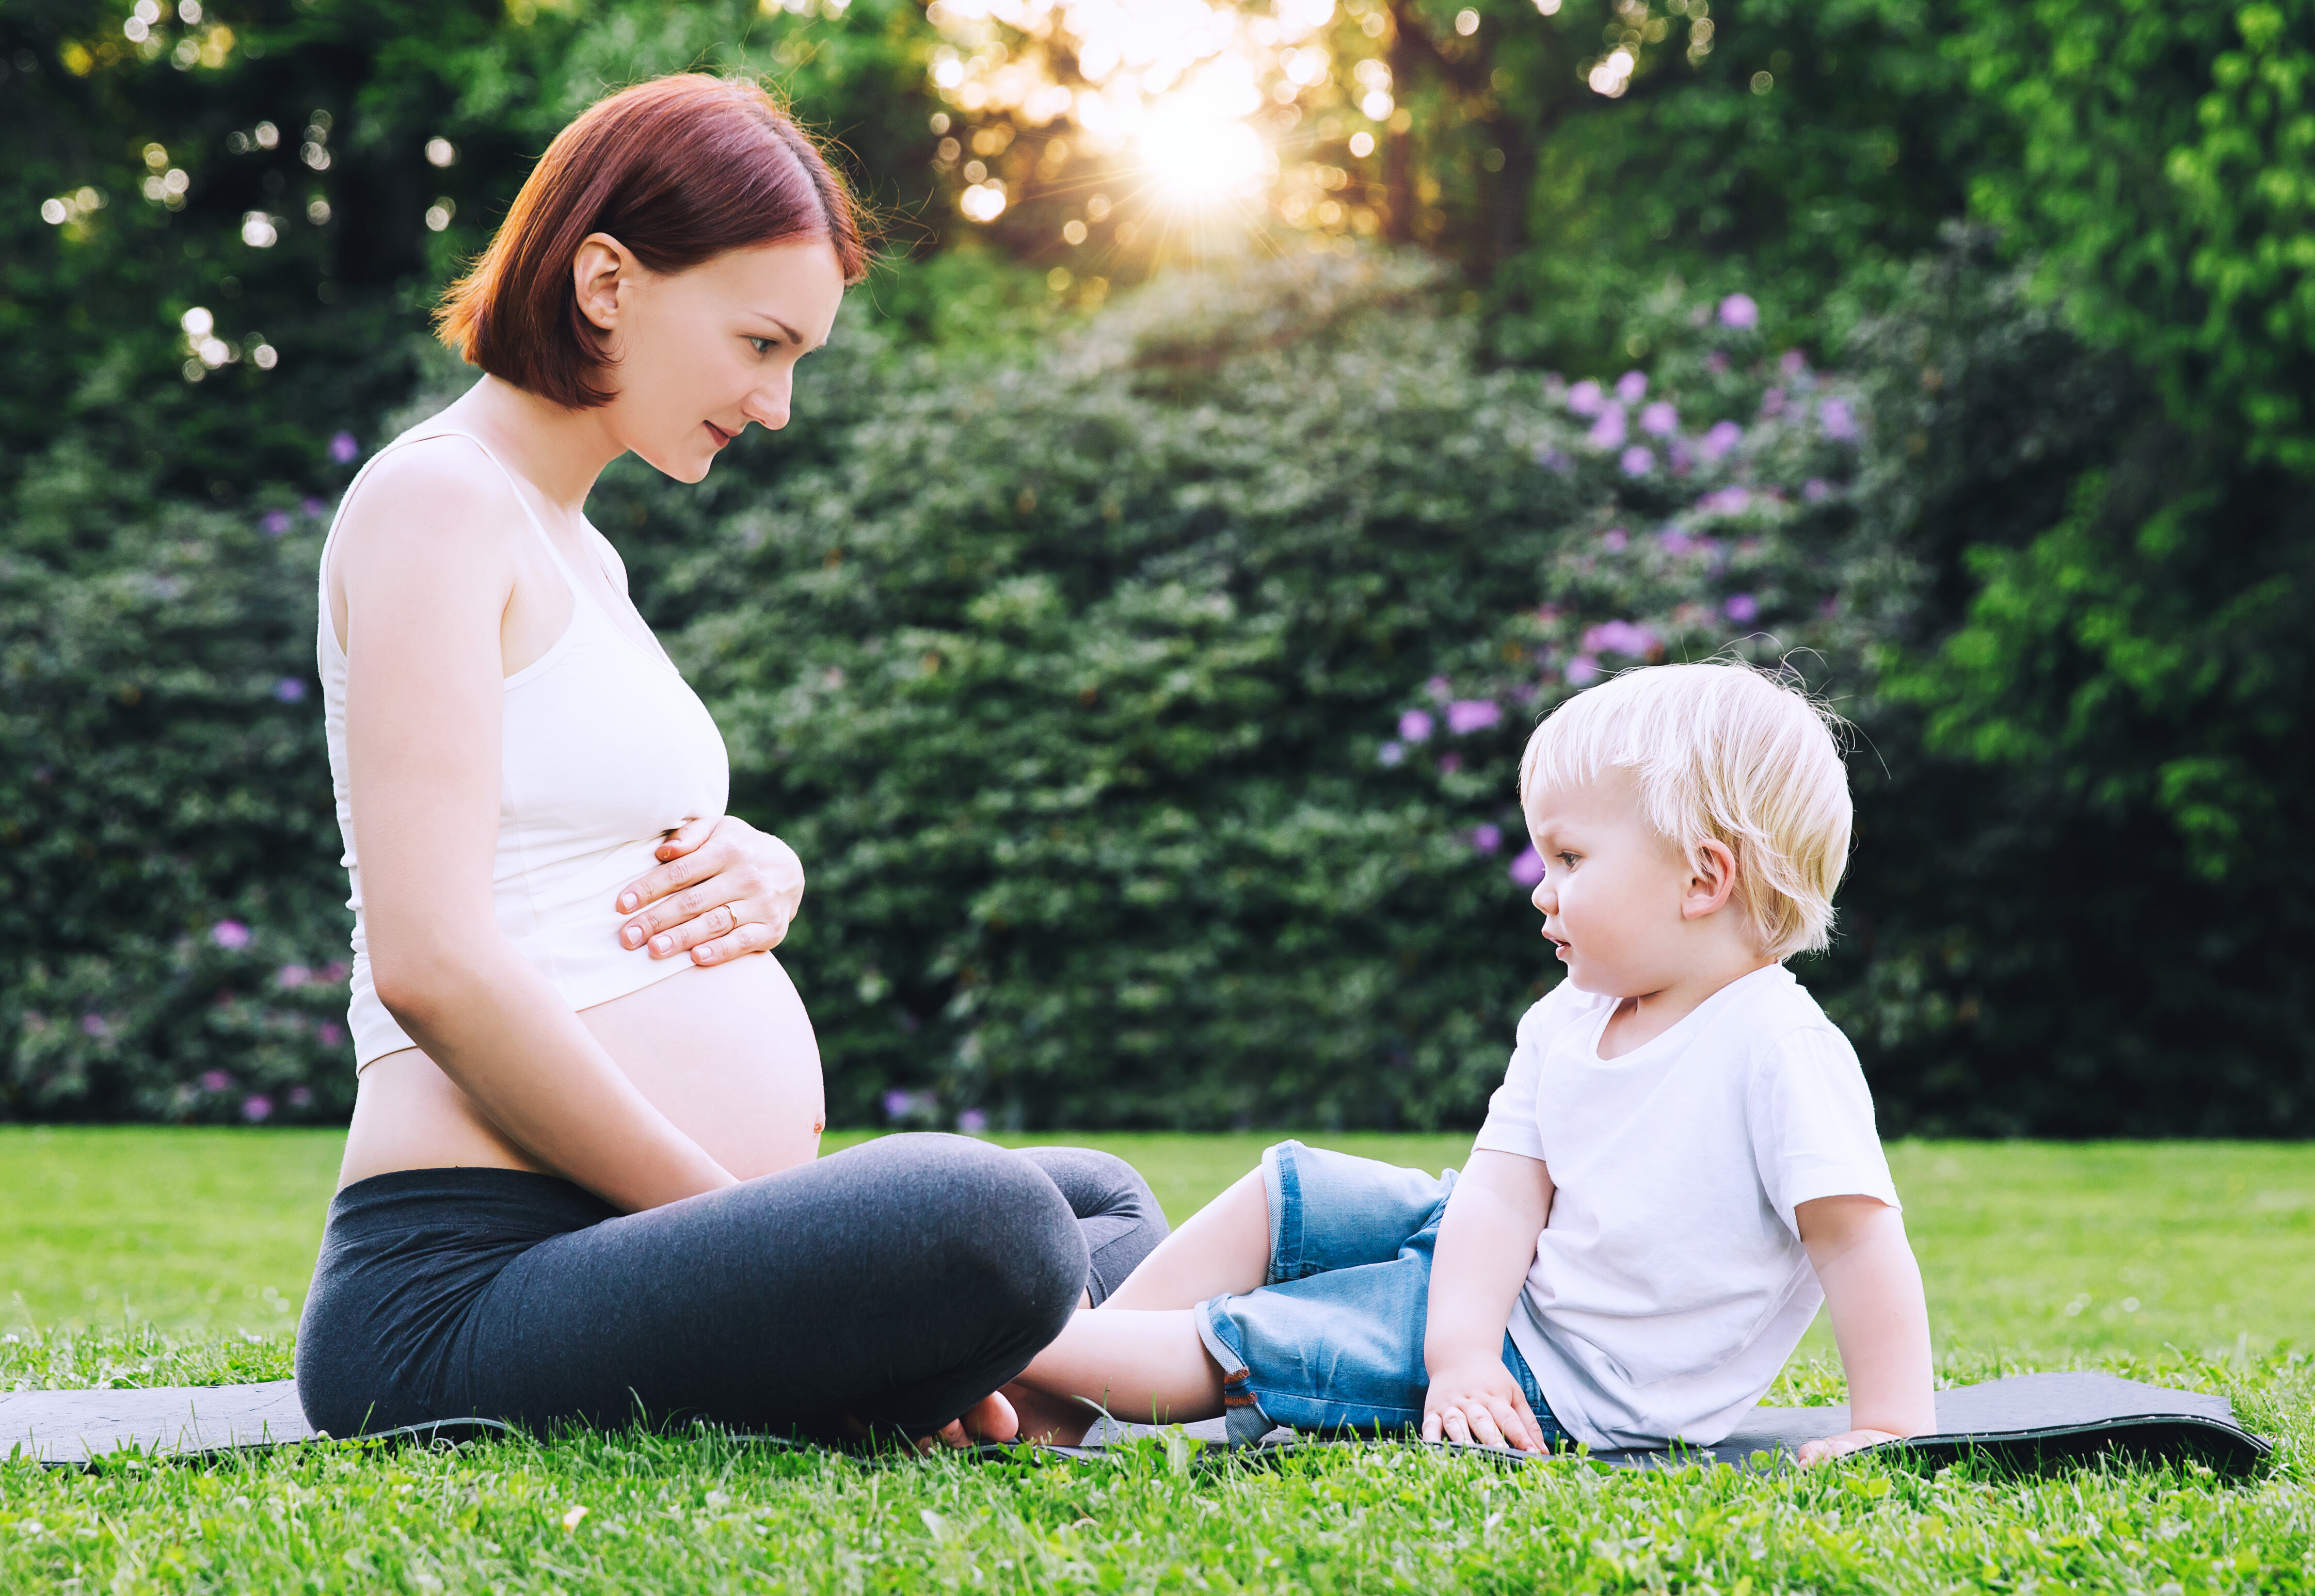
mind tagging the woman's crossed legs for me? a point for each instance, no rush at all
(899, 1281)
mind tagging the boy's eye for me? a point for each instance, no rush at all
(1569, 860)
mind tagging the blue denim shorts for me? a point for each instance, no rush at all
(1334, 1340)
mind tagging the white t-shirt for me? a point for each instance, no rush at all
(1670, 1284)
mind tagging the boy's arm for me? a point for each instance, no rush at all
(1486, 1244)
(1880, 1320)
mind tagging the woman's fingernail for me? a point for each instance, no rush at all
(632, 936)
(626, 900)
(662, 944)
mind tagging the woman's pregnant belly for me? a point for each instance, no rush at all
(727, 1051)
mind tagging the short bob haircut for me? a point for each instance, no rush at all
(679, 170)
(1725, 753)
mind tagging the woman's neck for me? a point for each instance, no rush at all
(560, 452)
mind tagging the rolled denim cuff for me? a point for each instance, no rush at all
(1285, 1199)
(1243, 1421)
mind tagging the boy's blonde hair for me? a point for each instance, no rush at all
(1723, 752)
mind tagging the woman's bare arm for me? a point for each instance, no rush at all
(426, 560)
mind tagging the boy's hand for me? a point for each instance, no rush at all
(1479, 1403)
(1841, 1445)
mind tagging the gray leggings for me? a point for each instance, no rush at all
(898, 1282)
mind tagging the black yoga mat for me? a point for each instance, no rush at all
(2026, 1420)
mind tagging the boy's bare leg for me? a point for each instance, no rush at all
(1147, 1367)
(1224, 1246)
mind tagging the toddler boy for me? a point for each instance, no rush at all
(1680, 1164)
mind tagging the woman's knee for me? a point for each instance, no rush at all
(993, 1222)
(1097, 1184)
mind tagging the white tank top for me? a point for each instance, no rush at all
(605, 749)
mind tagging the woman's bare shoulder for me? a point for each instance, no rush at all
(436, 498)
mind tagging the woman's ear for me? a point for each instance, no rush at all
(602, 272)
(1712, 878)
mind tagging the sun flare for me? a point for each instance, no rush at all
(1196, 156)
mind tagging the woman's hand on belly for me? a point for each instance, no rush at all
(723, 888)
(727, 1051)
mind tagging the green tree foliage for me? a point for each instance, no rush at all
(2162, 181)
(2075, 907)
(2133, 655)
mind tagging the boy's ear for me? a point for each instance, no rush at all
(1712, 878)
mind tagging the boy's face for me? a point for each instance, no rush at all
(1613, 888)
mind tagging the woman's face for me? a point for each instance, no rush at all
(701, 353)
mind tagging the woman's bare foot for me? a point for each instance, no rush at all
(992, 1418)
(1047, 1418)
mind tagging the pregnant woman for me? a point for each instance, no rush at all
(582, 1181)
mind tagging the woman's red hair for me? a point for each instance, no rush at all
(679, 170)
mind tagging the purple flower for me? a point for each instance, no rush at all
(289, 690)
(1738, 310)
(1716, 363)
(1449, 764)
(1414, 726)
(1555, 460)
(95, 1026)
(1792, 362)
(1742, 608)
(1619, 637)
(1632, 386)
(972, 1121)
(1439, 689)
(1466, 716)
(1391, 753)
(300, 1097)
(331, 973)
(1772, 402)
(1837, 419)
(1583, 671)
(1673, 541)
(1487, 839)
(290, 977)
(1614, 539)
(898, 1103)
(276, 522)
(1660, 420)
(1527, 869)
(315, 508)
(343, 448)
(230, 935)
(1584, 398)
(1814, 489)
(1607, 431)
(1722, 437)
(1726, 501)
(256, 1110)
(330, 1033)
(1636, 461)
(215, 1080)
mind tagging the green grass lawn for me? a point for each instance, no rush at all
(165, 1257)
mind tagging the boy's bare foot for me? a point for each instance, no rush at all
(1047, 1418)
